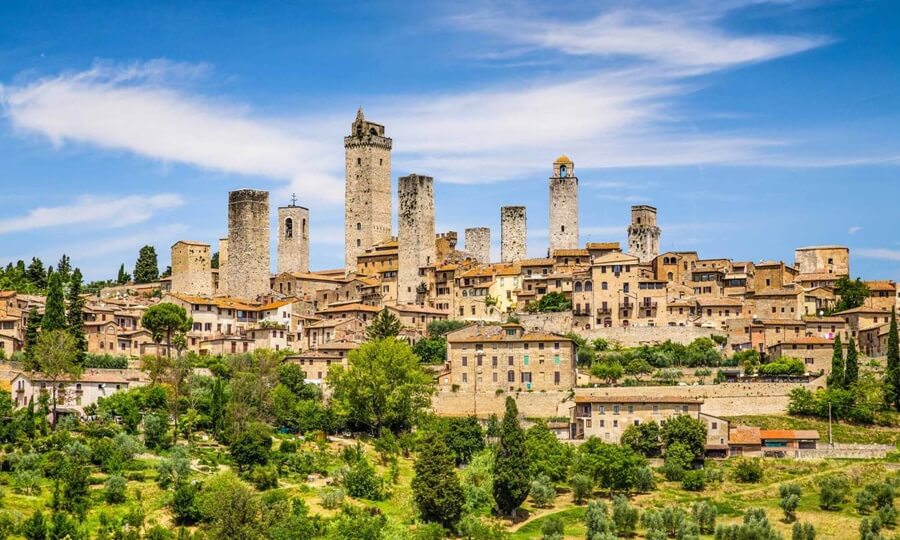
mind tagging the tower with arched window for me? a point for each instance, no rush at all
(563, 205)
(293, 239)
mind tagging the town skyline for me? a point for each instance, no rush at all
(731, 176)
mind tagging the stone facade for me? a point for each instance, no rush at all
(191, 271)
(823, 259)
(222, 288)
(643, 234)
(247, 270)
(513, 234)
(563, 206)
(478, 244)
(416, 233)
(367, 190)
(293, 239)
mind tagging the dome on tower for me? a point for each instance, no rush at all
(563, 159)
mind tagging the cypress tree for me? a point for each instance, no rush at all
(836, 378)
(892, 375)
(32, 327)
(55, 307)
(436, 487)
(64, 267)
(36, 273)
(75, 314)
(123, 276)
(146, 269)
(511, 482)
(851, 369)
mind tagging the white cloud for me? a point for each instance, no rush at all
(108, 212)
(883, 254)
(139, 108)
(854, 229)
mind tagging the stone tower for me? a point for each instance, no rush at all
(478, 244)
(191, 270)
(293, 239)
(367, 189)
(563, 205)
(416, 233)
(643, 234)
(222, 288)
(247, 270)
(513, 246)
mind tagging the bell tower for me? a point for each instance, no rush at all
(563, 205)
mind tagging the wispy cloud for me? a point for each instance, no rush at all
(105, 212)
(145, 109)
(854, 229)
(883, 254)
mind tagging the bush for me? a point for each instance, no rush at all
(643, 480)
(156, 428)
(552, 529)
(542, 492)
(252, 447)
(332, 497)
(361, 482)
(748, 471)
(263, 477)
(705, 515)
(184, 505)
(790, 500)
(582, 487)
(114, 489)
(803, 531)
(624, 516)
(288, 446)
(597, 520)
(833, 491)
(694, 480)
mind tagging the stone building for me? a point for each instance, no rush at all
(823, 259)
(222, 286)
(478, 244)
(191, 271)
(416, 234)
(293, 239)
(563, 205)
(513, 234)
(607, 417)
(367, 185)
(247, 270)
(643, 234)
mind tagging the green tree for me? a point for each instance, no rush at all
(36, 274)
(643, 438)
(790, 500)
(123, 277)
(464, 437)
(599, 526)
(55, 307)
(115, 489)
(230, 508)
(892, 373)
(550, 302)
(748, 471)
(852, 293)
(165, 319)
(436, 488)
(803, 531)
(542, 491)
(32, 330)
(547, 455)
(64, 267)
(582, 486)
(146, 268)
(75, 314)
(384, 325)
(624, 516)
(55, 356)
(214, 260)
(382, 385)
(431, 350)
(836, 377)
(833, 491)
(35, 527)
(252, 446)
(685, 429)
(851, 366)
(511, 483)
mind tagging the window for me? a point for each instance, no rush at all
(288, 228)
(465, 361)
(655, 409)
(511, 376)
(465, 378)
(631, 409)
(556, 378)
(526, 376)
(615, 409)
(525, 359)
(715, 425)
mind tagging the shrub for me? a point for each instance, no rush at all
(184, 505)
(748, 471)
(582, 487)
(790, 499)
(832, 491)
(624, 516)
(263, 477)
(114, 492)
(803, 531)
(705, 515)
(552, 529)
(597, 520)
(332, 497)
(288, 447)
(542, 492)
(870, 528)
(694, 480)
(643, 480)
(361, 482)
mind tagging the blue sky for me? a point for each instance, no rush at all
(755, 127)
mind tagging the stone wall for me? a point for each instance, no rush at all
(247, 270)
(191, 271)
(223, 264)
(643, 234)
(416, 233)
(513, 234)
(530, 404)
(478, 244)
(843, 451)
(293, 239)
(830, 259)
(367, 189)
(563, 213)
(631, 336)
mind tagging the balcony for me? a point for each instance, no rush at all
(604, 311)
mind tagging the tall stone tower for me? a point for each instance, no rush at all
(247, 270)
(478, 243)
(643, 234)
(513, 234)
(416, 233)
(222, 288)
(191, 270)
(563, 205)
(367, 189)
(293, 238)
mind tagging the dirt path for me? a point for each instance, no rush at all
(560, 504)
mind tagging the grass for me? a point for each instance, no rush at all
(841, 432)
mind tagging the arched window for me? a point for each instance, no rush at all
(563, 228)
(604, 285)
(588, 286)
(303, 230)
(577, 286)
(670, 276)
(289, 228)
(563, 171)
(359, 226)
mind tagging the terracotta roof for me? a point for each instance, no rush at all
(330, 323)
(571, 253)
(863, 309)
(881, 285)
(824, 320)
(355, 306)
(742, 435)
(602, 246)
(637, 399)
(782, 322)
(615, 257)
(563, 159)
(413, 308)
(791, 434)
(98, 376)
(777, 292)
(537, 262)
(703, 301)
(811, 340)
(816, 276)
(315, 277)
